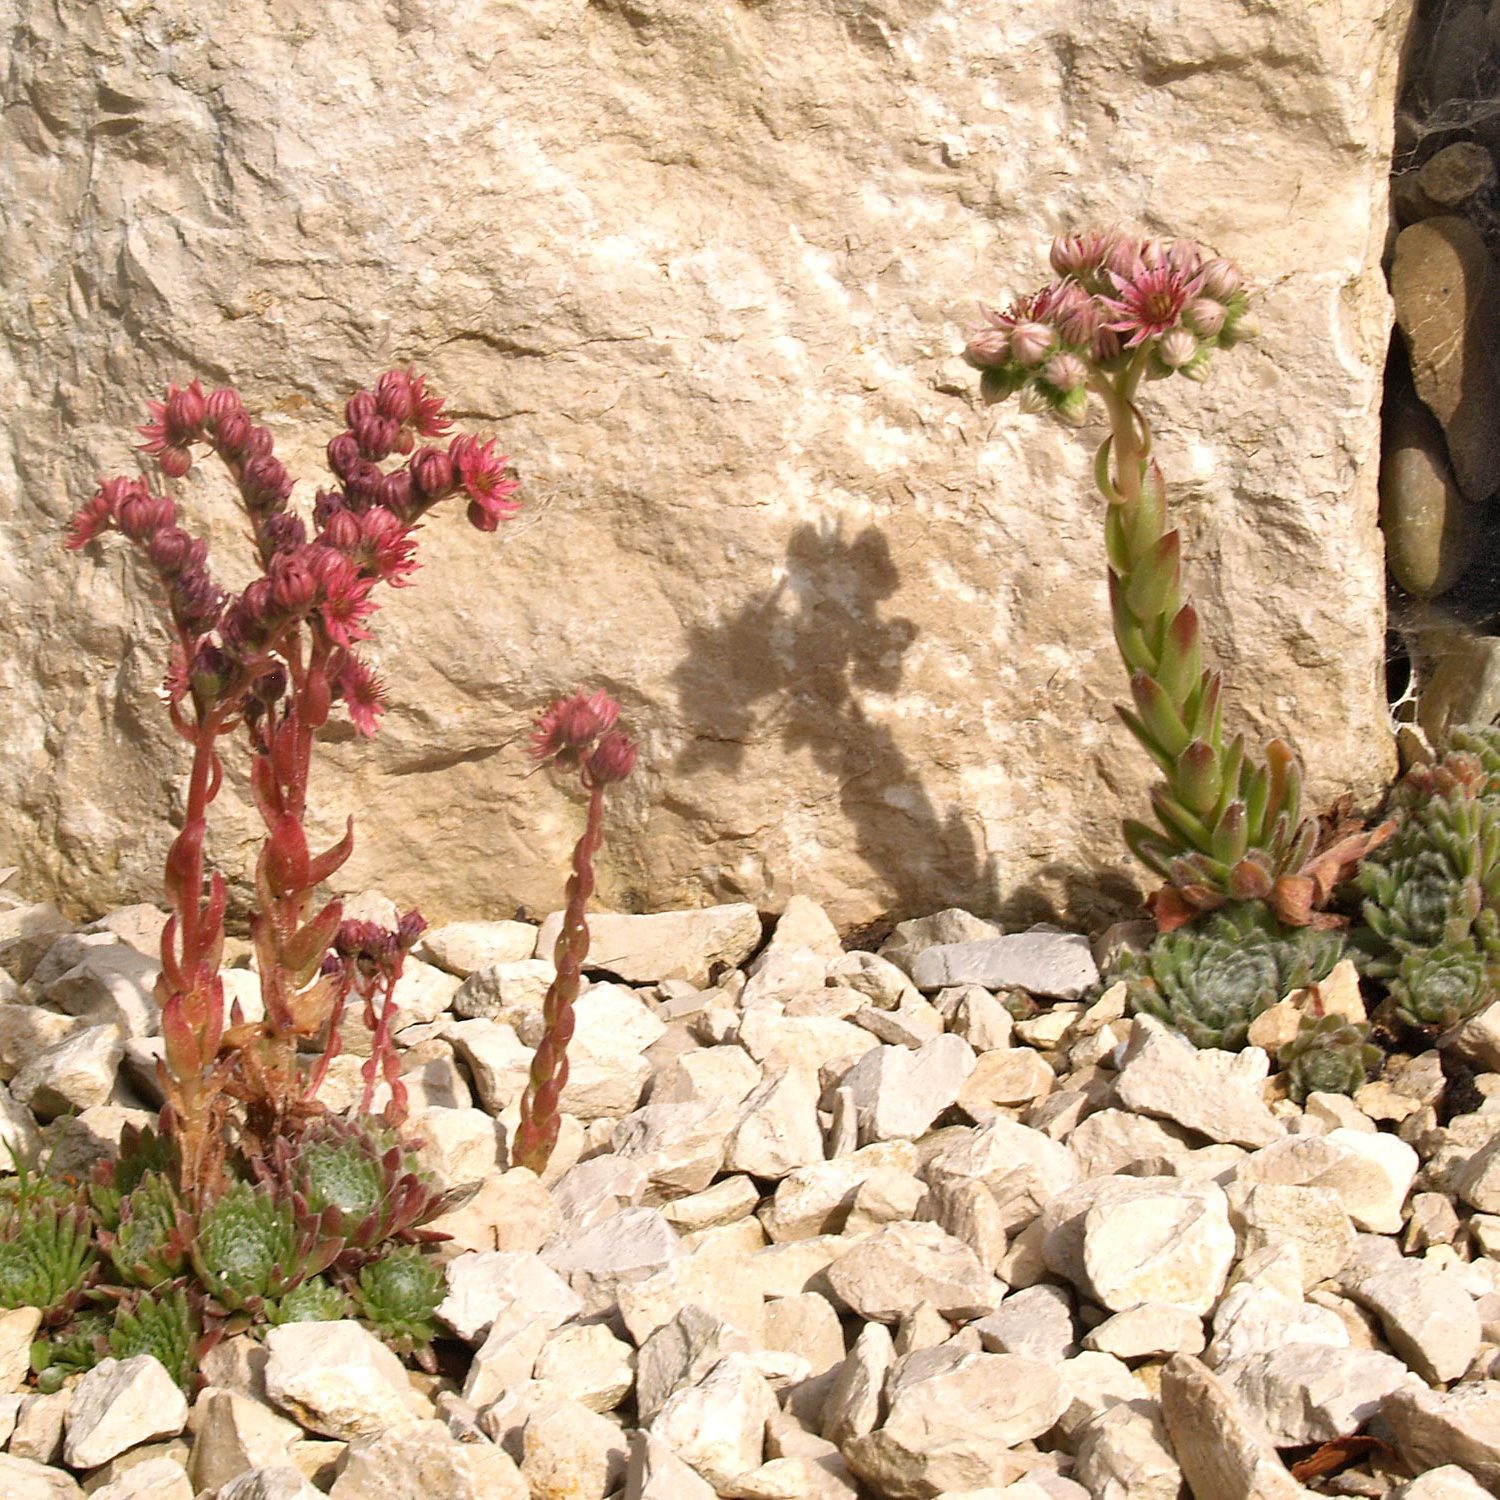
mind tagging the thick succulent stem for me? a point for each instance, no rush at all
(1228, 828)
(189, 990)
(537, 1133)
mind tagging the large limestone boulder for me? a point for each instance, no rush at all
(705, 269)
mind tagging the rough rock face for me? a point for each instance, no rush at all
(704, 269)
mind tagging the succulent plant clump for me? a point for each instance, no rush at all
(1329, 1055)
(252, 1247)
(1210, 979)
(168, 1325)
(1431, 897)
(398, 1297)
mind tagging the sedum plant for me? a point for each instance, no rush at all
(1125, 311)
(1212, 978)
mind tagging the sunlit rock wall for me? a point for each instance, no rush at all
(704, 267)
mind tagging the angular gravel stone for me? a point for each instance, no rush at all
(815, 1200)
(24, 1479)
(1312, 1218)
(1042, 961)
(484, 1287)
(339, 1380)
(1448, 1483)
(898, 1093)
(1022, 1167)
(462, 948)
(1037, 1323)
(1310, 1393)
(718, 1426)
(1218, 1094)
(778, 1129)
(588, 1364)
(76, 1074)
(656, 1473)
(1125, 1451)
(423, 1460)
(953, 1419)
(1428, 1318)
(1005, 1079)
(232, 1433)
(1108, 1141)
(690, 945)
(852, 1406)
(119, 1404)
(159, 1478)
(568, 1450)
(1220, 1449)
(1461, 1427)
(886, 1276)
(1166, 1241)
(1149, 1331)
(110, 985)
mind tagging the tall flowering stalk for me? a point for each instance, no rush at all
(271, 663)
(576, 733)
(1229, 827)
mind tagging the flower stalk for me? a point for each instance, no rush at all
(577, 733)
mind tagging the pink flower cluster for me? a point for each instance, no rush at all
(361, 536)
(579, 732)
(1163, 304)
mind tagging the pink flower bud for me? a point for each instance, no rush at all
(342, 530)
(1065, 372)
(411, 926)
(222, 403)
(270, 686)
(612, 759)
(1176, 348)
(1221, 280)
(170, 550)
(1030, 343)
(571, 725)
(260, 442)
(396, 492)
(294, 585)
(359, 408)
(142, 515)
(185, 410)
(175, 461)
(433, 473)
(233, 433)
(988, 348)
(393, 395)
(1204, 316)
(344, 457)
(264, 482)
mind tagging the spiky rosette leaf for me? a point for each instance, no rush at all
(253, 1246)
(365, 1177)
(72, 1349)
(149, 1244)
(1435, 988)
(169, 1325)
(313, 1301)
(1329, 1055)
(398, 1296)
(1211, 978)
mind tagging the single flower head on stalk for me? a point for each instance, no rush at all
(270, 664)
(1125, 310)
(576, 733)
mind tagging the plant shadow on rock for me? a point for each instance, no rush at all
(795, 660)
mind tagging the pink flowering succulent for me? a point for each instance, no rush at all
(272, 663)
(1123, 311)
